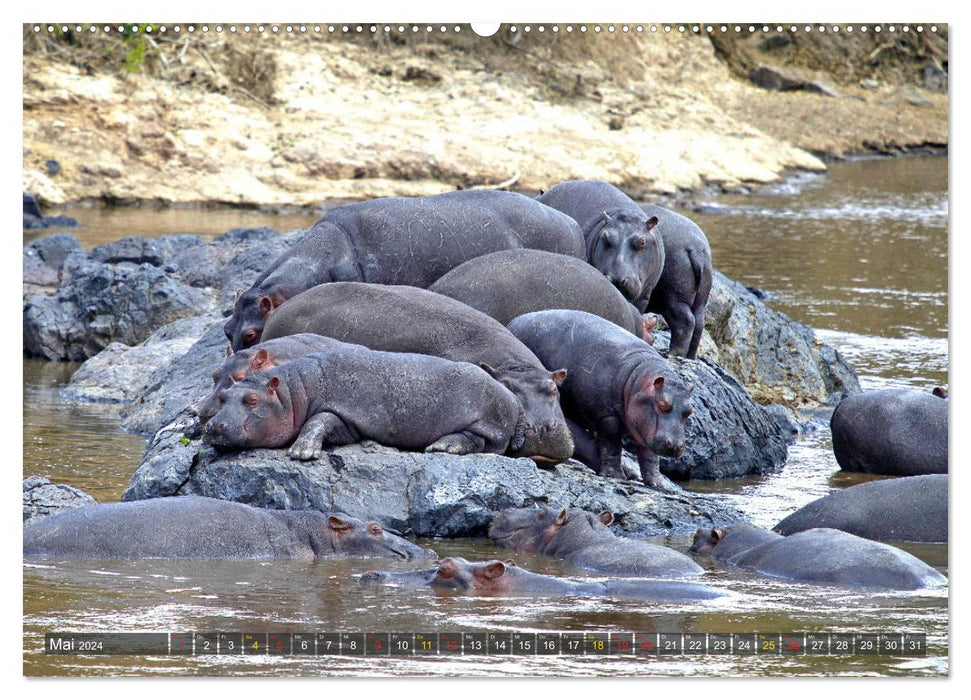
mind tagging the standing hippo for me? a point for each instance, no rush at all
(195, 527)
(409, 241)
(510, 283)
(902, 432)
(406, 319)
(498, 577)
(585, 541)
(820, 555)
(616, 385)
(906, 509)
(344, 395)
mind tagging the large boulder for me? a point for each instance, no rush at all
(42, 498)
(43, 260)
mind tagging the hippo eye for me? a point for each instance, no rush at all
(252, 400)
(444, 572)
(639, 242)
(552, 389)
(687, 413)
(239, 376)
(664, 406)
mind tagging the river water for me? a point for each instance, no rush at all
(858, 253)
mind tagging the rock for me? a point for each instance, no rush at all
(777, 78)
(935, 76)
(53, 167)
(144, 251)
(33, 219)
(424, 495)
(39, 278)
(31, 208)
(42, 498)
(53, 250)
(912, 96)
(821, 86)
(869, 83)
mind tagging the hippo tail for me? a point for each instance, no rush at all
(701, 268)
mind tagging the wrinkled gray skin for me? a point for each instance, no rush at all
(902, 432)
(616, 385)
(584, 540)
(820, 555)
(407, 240)
(681, 293)
(510, 283)
(345, 395)
(906, 509)
(256, 359)
(621, 240)
(505, 578)
(406, 319)
(194, 527)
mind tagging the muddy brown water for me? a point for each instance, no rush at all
(859, 254)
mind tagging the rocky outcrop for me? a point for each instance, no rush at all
(43, 261)
(42, 498)
(33, 219)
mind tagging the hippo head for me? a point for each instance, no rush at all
(236, 368)
(705, 540)
(459, 574)
(627, 250)
(251, 414)
(540, 530)
(940, 392)
(245, 327)
(343, 535)
(547, 437)
(656, 410)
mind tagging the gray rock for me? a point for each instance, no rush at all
(139, 250)
(777, 78)
(42, 498)
(53, 250)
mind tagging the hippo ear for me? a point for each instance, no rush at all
(488, 369)
(239, 293)
(940, 392)
(447, 567)
(266, 305)
(494, 570)
(651, 223)
(509, 562)
(559, 376)
(650, 321)
(716, 535)
(336, 522)
(273, 385)
(606, 218)
(229, 351)
(562, 518)
(374, 529)
(606, 517)
(658, 384)
(260, 360)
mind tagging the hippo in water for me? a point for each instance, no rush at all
(195, 527)
(510, 283)
(407, 241)
(616, 385)
(498, 577)
(584, 540)
(345, 395)
(906, 509)
(820, 555)
(406, 319)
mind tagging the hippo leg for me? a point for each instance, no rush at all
(650, 470)
(610, 464)
(458, 444)
(585, 447)
(682, 322)
(320, 429)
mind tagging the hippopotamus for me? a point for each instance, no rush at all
(905, 509)
(406, 319)
(510, 283)
(620, 239)
(504, 577)
(819, 555)
(256, 359)
(344, 395)
(195, 527)
(407, 241)
(616, 385)
(902, 432)
(584, 540)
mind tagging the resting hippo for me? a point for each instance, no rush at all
(256, 359)
(344, 395)
(410, 241)
(907, 509)
(500, 577)
(406, 319)
(820, 555)
(194, 527)
(621, 240)
(892, 431)
(585, 541)
(616, 385)
(510, 283)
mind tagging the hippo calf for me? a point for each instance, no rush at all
(585, 541)
(349, 394)
(820, 555)
(906, 509)
(498, 577)
(195, 527)
(616, 385)
(902, 432)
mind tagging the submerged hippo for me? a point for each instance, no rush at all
(907, 509)
(820, 555)
(406, 319)
(902, 432)
(349, 394)
(408, 240)
(585, 541)
(514, 282)
(194, 527)
(497, 577)
(616, 385)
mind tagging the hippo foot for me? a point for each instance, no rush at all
(660, 482)
(454, 444)
(304, 451)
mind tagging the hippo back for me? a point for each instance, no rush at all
(585, 201)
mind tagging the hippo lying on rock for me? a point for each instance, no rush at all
(406, 319)
(194, 527)
(510, 283)
(902, 432)
(585, 541)
(345, 395)
(820, 555)
(408, 241)
(616, 385)
(497, 577)
(906, 509)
